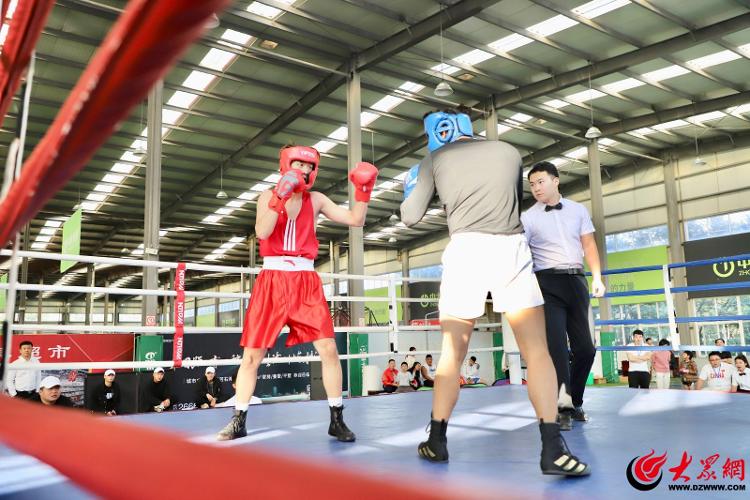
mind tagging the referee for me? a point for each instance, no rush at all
(561, 236)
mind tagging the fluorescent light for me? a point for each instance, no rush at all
(248, 196)
(263, 10)
(714, 59)
(387, 103)
(324, 146)
(552, 26)
(217, 59)
(670, 125)
(445, 68)
(665, 73)
(104, 188)
(212, 218)
(473, 57)
(556, 103)
(599, 7)
(198, 80)
(113, 178)
(411, 87)
(366, 118)
(53, 223)
(273, 178)
(90, 206)
(622, 85)
(182, 99)
(170, 116)
(586, 95)
(510, 42)
(339, 134)
(521, 117)
(707, 117)
(96, 197)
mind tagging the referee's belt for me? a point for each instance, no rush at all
(572, 271)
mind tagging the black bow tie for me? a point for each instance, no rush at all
(548, 208)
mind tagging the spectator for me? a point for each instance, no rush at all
(416, 375)
(639, 375)
(688, 370)
(404, 378)
(429, 371)
(660, 360)
(726, 356)
(650, 341)
(49, 393)
(410, 358)
(156, 394)
(208, 390)
(742, 375)
(717, 376)
(229, 403)
(23, 384)
(106, 396)
(389, 377)
(471, 372)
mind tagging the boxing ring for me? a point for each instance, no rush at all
(493, 438)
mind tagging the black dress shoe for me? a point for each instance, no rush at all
(579, 415)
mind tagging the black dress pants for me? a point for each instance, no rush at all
(566, 315)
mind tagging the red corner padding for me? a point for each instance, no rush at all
(152, 464)
(137, 52)
(23, 33)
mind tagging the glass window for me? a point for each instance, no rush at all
(745, 304)
(709, 333)
(640, 238)
(705, 307)
(718, 225)
(727, 305)
(649, 310)
(630, 311)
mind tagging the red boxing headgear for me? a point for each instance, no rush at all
(300, 153)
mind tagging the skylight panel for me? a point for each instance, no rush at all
(445, 68)
(599, 7)
(666, 73)
(104, 188)
(212, 219)
(198, 80)
(224, 211)
(89, 206)
(387, 103)
(340, 134)
(236, 204)
(324, 146)
(411, 87)
(670, 125)
(552, 26)
(53, 223)
(558, 161)
(272, 178)
(622, 85)
(366, 118)
(586, 95)
(510, 42)
(473, 57)
(521, 117)
(182, 99)
(237, 37)
(237, 239)
(263, 10)
(248, 196)
(577, 153)
(122, 168)
(96, 197)
(556, 103)
(714, 59)
(707, 117)
(259, 187)
(217, 59)
(113, 178)
(169, 116)
(132, 157)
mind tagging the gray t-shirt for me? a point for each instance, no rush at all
(478, 182)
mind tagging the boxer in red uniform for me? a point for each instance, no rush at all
(288, 291)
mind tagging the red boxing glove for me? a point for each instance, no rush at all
(290, 183)
(363, 176)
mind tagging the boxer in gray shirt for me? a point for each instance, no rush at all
(479, 184)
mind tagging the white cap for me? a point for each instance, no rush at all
(210, 369)
(158, 369)
(49, 382)
(109, 372)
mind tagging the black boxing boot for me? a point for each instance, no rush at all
(338, 428)
(235, 428)
(556, 457)
(435, 449)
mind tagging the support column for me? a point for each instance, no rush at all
(354, 153)
(333, 260)
(90, 281)
(169, 320)
(217, 304)
(491, 121)
(116, 313)
(39, 302)
(106, 305)
(252, 243)
(688, 334)
(403, 257)
(152, 203)
(25, 245)
(597, 216)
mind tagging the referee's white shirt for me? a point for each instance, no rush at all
(555, 236)
(23, 380)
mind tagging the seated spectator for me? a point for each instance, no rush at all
(404, 379)
(471, 372)
(639, 374)
(428, 371)
(660, 360)
(416, 375)
(742, 375)
(726, 356)
(688, 370)
(389, 377)
(49, 393)
(717, 376)
(208, 389)
(105, 397)
(229, 403)
(156, 395)
(410, 358)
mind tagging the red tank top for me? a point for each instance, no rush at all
(293, 237)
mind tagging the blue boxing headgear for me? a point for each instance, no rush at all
(443, 128)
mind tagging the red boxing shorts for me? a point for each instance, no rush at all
(292, 298)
